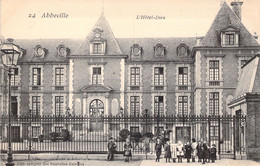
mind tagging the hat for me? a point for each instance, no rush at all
(111, 138)
(214, 145)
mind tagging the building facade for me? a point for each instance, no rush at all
(104, 75)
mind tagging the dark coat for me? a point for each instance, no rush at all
(167, 150)
(205, 153)
(199, 150)
(158, 149)
(213, 153)
(127, 147)
(187, 151)
(111, 146)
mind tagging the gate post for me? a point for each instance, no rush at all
(219, 136)
(209, 128)
(234, 136)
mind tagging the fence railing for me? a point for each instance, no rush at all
(89, 134)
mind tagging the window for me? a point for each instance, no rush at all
(36, 102)
(158, 76)
(183, 105)
(36, 76)
(59, 105)
(214, 70)
(36, 131)
(97, 48)
(134, 106)
(59, 76)
(158, 106)
(229, 39)
(183, 78)
(135, 76)
(214, 103)
(14, 76)
(96, 76)
(214, 132)
(14, 105)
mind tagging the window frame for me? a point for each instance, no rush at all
(158, 105)
(214, 103)
(14, 76)
(182, 78)
(134, 76)
(96, 78)
(36, 105)
(183, 105)
(159, 76)
(214, 71)
(97, 48)
(59, 106)
(36, 77)
(134, 106)
(60, 75)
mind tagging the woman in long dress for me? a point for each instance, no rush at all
(180, 151)
(174, 151)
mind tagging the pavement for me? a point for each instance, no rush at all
(100, 160)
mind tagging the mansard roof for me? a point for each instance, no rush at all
(50, 45)
(225, 18)
(148, 44)
(112, 47)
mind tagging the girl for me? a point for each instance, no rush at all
(127, 150)
(167, 150)
(179, 151)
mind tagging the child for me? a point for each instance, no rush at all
(199, 150)
(194, 149)
(111, 146)
(127, 150)
(213, 153)
(174, 151)
(179, 151)
(204, 152)
(158, 149)
(187, 148)
(167, 150)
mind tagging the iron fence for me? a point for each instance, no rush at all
(83, 134)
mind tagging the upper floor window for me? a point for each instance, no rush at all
(182, 50)
(135, 76)
(183, 105)
(214, 103)
(36, 76)
(97, 48)
(96, 75)
(183, 75)
(158, 106)
(230, 37)
(136, 51)
(134, 106)
(14, 76)
(213, 70)
(158, 76)
(59, 76)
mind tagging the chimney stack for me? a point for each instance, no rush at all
(236, 7)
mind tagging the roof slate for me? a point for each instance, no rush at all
(223, 19)
(148, 45)
(112, 47)
(249, 81)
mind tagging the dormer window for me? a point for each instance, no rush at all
(39, 51)
(159, 50)
(62, 50)
(230, 37)
(97, 43)
(182, 50)
(136, 51)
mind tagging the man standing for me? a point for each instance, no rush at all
(111, 146)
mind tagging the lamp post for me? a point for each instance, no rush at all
(11, 53)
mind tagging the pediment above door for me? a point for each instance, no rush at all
(96, 88)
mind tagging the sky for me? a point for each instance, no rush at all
(183, 18)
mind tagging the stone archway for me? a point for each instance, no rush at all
(96, 112)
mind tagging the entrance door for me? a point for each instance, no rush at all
(96, 113)
(183, 134)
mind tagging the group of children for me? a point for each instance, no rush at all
(188, 151)
(172, 151)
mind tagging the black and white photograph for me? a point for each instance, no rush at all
(132, 82)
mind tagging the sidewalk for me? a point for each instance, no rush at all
(223, 162)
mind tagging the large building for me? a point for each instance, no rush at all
(105, 75)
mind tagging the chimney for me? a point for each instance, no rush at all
(255, 36)
(236, 7)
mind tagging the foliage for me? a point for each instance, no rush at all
(124, 133)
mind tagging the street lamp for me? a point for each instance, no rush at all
(11, 53)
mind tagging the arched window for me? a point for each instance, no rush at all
(96, 108)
